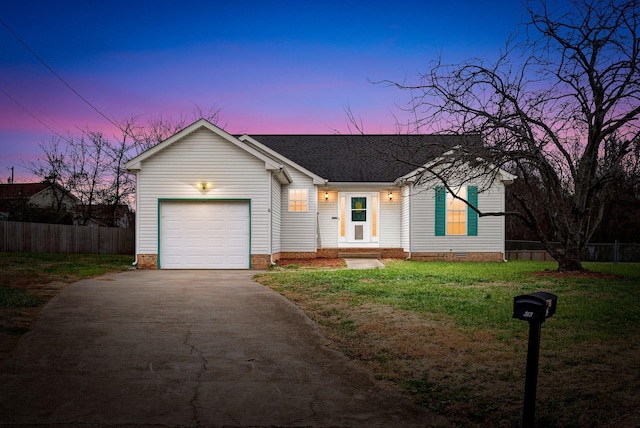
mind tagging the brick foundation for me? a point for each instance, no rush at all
(297, 255)
(263, 261)
(458, 257)
(384, 253)
(147, 261)
(260, 261)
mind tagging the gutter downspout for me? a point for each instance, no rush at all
(410, 223)
(137, 231)
(504, 246)
(270, 213)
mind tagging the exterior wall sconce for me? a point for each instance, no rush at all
(326, 196)
(203, 185)
(390, 196)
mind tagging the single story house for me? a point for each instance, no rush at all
(206, 199)
(101, 215)
(43, 195)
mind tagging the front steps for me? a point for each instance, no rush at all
(360, 255)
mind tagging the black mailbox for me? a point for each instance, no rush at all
(534, 306)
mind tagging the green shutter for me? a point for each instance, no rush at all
(441, 202)
(472, 215)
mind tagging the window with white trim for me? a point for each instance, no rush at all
(457, 212)
(454, 216)
(298, 200)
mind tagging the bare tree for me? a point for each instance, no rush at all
(52, 169)
(560, 109)
(159, 128)
(121, 184)
(87, 165)
(91, 166)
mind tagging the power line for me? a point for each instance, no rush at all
(31, 113)
(55, 74)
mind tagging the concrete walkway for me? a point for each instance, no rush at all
(187, 348)
(364, 264)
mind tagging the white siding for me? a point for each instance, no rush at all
(405, 225)
(490, 236)
(298, 229)
(389, 220)
(388, 216)
(173, 173)
(328, 222)
(276, 212)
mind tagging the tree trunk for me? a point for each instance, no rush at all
(568, 263)
(569, 259)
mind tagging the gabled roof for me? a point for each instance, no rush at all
(26, 190)
(362, 158)
(9, 193)
(377, 158)
(136, 163)
(21, 190)
(272, 153)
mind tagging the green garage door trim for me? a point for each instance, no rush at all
(205, 230)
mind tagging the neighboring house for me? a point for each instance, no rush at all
(102, 215)
(16, 197)
(208, 199)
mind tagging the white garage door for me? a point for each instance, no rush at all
(204, 235)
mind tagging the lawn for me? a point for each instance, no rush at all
(28, 281)
(444, 333)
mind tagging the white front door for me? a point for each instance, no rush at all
(359, 218)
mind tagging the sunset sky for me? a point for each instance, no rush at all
(269, 66)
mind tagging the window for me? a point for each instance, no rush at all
(358, 209)
(457, 212)
(298, 200)
(454, 216)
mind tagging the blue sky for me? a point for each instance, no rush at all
(270, 66)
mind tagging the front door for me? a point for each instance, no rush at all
(358, 218)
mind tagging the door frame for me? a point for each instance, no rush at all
(346, 224)
(206, 200)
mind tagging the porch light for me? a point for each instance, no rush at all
(203, 185)
(326, 196)
(390, 195)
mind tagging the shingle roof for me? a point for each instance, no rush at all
(21, 190)
(363, 158)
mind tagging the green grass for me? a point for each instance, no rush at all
(594, 332)
(17, 298)
(480, 295)
(21, 271)
(29, 280)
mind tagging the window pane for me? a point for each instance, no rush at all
(358, 209)
(298, 200)
(457, 213)
(343, 209)
(374, 216)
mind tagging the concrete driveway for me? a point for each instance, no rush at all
(187, 348)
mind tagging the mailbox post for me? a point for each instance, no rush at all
(534, 308)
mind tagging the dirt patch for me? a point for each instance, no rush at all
(14, 322)
(396, 346)
(576, 274)
(317, 263)
(473, 377)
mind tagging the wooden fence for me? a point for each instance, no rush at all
(60, 238)
(540, 255)
(598, 252)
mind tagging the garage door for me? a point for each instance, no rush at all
(204, 235)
